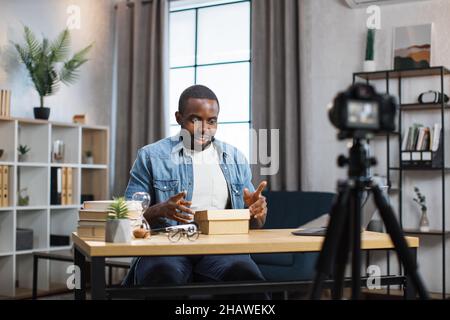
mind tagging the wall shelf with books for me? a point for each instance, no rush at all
(29, 213)
(419, 156)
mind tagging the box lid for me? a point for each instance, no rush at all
(226, 214)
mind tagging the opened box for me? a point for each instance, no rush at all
(228, 221)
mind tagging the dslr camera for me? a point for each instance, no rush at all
(361, 112)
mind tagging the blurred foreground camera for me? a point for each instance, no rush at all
(360, 112)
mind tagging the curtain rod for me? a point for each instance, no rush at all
(131, 4)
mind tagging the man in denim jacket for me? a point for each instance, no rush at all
(194, 170)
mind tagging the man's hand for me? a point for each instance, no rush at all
(174, 208)
(256, 203)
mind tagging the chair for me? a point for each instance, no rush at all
(287, 209)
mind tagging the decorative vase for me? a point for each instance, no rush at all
(42, 113)
(424, 224)
(89, 160)
(58, 150)
(369, 66)
(118, 231)
(24, 198)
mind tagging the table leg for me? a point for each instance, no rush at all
(35, 273)
(80, 262)
(98, 283)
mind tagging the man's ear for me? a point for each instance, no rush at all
(178, 117)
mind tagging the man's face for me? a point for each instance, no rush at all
(200, 119)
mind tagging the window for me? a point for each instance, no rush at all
(210, 45)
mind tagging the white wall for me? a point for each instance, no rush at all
(92, 93)
(333, 48)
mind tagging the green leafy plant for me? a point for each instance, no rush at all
(118, 209)
(24, 199)
(42, 60)
(370, 41)
(23, 149)
(420, 199)
(88, 153)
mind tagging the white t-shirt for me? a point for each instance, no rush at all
(210, 187)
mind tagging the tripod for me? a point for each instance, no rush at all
(344, 228)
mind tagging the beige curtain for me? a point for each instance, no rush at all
(141, 82)
(276, 85)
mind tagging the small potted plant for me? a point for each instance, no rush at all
(48, 65)
(424, 224)
(24, 198)
(118, 227)
(88, 157)
(369, 63)
(23, 152)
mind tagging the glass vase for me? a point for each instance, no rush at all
(424, 224)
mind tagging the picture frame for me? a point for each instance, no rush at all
(412, 47)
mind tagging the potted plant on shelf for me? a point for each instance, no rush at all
(42, 60)
(424, 224)
(88, 157)
(369, 63)
(24, 198)
(118, 227)
(23, 152)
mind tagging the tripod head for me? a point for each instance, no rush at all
(358, 161)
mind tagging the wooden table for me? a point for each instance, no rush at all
(257, 241)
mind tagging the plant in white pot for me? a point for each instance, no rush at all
(369, 63)
(88, 157)
(118, 227)
(48, 65)
(23, 150)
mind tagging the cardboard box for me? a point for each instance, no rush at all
(229, 221)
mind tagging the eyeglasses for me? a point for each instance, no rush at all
(190, 232)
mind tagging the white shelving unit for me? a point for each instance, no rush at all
(42, 217)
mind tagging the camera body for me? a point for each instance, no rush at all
(360, 112)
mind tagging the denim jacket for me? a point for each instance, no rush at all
(162, 169)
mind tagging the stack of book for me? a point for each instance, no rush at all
(4, 186)
(421, 146)
(5, 103)
(420, 138)
(93, 216)
(61, 186)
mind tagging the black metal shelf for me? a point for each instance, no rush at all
(428, 233)
(397, 74)
(423, 107)
(447, 170)
(387, 76)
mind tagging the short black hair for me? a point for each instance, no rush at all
(196, 91)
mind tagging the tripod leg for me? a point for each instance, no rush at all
(397, 237)
(338, 215)
(355, 224)
(341, 262)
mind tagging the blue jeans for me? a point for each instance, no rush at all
(179, 270)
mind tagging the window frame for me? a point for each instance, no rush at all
(196, 65)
